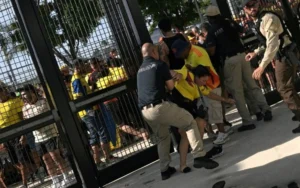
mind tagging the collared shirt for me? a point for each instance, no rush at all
(187, 87)
(31, 110)
(271, 28)
(199, 56)
(151, 81)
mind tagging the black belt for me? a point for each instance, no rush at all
(229, 55)
(153, 104)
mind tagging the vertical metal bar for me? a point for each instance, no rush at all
(293, 25)
(199, 12)
(28, 17)
(137, 20)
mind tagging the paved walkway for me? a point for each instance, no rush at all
(262, 158)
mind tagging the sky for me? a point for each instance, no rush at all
(21, 62)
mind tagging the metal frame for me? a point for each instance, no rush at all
(41, 50)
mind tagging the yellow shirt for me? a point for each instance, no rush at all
(9, 112)
(187, 87)
(199, 56)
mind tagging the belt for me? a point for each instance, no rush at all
(232, 54)
(153, 104)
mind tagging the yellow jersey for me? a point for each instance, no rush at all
(9, 112)
(187, 87)
(199, 56)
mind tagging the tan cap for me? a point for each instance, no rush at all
(212, 11)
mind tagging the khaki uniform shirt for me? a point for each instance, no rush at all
(271, 28)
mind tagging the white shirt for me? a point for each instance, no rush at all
(31, 110)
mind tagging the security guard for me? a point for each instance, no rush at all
(152, 80)
(277, 44)
(223, 40)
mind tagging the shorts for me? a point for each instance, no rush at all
(47, 146)
(96, 129)
(30, 139)
(215, 114)
(18, 153)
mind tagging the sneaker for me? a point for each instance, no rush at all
(259, 116)
(228, 130)
(100, 166)
(268, 116)
(294, 118)
(212, 135)
(221, 139)
(168, 173)
(246, 128)
(66, 182)
(55, 185)
(215, 152)
(205, 162)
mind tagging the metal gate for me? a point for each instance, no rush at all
(68, 100)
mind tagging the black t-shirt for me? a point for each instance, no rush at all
(175, 63)
(114, 62)
(151, 79)
(225, 37)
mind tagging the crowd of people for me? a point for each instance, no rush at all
(185, 81)
(39, 153)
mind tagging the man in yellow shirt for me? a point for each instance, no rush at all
(97, 131)
(195, 56)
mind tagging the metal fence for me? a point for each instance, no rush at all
(68, 97)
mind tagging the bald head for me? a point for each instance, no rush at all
(149, 49)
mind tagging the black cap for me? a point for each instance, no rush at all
(244, 3)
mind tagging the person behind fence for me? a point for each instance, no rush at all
(17, 148)
(223, 39)
(276, 44)
(46, 138)
(153, 79)
(97, 132)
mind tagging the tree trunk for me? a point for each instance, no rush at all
(61, 57)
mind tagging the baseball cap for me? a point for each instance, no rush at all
(212, 10)
(245, 2)
(179, 46)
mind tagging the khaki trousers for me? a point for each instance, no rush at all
(237, 71)
(160, 117)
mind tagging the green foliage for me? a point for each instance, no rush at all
(181, 12)
(67, 23)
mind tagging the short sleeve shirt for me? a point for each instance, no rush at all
(31, 110)
(226, 39)
(151, 79)
(9, 112)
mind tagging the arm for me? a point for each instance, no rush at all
(272, 24)
(167, 77)
(164, 52)
(211, 43)
(219, 98)
(170, 84)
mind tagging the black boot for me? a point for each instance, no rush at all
(294, 118)
(268, 116)
(205, 162)
(168, 173)
(297, 130)
(220, 184)
(259, 116)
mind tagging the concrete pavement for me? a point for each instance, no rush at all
(262, 158)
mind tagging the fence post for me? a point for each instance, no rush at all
(292, 24)
(41, 49)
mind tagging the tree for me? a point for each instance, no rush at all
(68, 24)
(181, 12)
